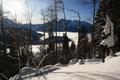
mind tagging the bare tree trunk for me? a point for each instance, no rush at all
(44, 29)
(2, 28)
(55, 3)
(17, 42)
(94, 9)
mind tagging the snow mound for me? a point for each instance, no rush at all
(73, 61)
(117, 54)
(108, 58)
(113, 60)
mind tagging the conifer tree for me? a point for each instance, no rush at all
(99, 22)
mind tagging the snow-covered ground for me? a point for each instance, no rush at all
(110, 70)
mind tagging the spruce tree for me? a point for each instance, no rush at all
(98, 28)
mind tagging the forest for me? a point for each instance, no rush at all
(95, 40)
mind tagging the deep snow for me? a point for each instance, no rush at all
(109, 70)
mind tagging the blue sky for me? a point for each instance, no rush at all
(84, 7)
(85, 10)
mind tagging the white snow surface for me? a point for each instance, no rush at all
(36, 48)
(117, 54)
(110, 70)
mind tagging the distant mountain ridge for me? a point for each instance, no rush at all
(72, 25)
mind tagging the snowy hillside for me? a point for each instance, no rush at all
(109, 70)
(72, 35)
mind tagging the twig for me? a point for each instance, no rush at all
(4, 76)
(13, 57)
(44, 59)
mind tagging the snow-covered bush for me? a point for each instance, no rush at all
(28, 71)
(108, 36)
(108, 33)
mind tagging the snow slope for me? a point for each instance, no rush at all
(72, 35)
(109, 70)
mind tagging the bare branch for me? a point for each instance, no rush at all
(4, 76)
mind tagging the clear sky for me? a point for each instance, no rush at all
(18, 7)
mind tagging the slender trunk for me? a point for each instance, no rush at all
(44, 30)
(56, 26)
(2, 29)
(65, 23)
(17, 42)
(94, 9)
(30, 35)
